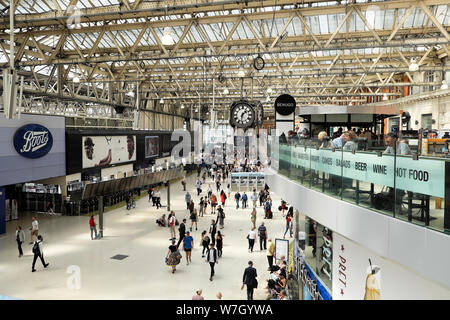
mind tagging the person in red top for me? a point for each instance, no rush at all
(223, 197)
(288, 226)
(92, 225)
(283, 207)
(213, 200)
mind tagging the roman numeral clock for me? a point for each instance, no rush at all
(242, 114)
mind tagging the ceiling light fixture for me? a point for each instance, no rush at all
(385, 97)
(241, 73)
(225, 91)
(76, 79)
(130, 93)
(444, 85)
(413, 67)
(167, 38)
(161, 101)
(269, 90)
(182, 106)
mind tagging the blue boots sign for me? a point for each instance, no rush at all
(33, 141)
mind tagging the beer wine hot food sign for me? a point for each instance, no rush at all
(33, 141)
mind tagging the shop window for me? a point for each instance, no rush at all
(319, 250)
(427, 121)
(429, 77)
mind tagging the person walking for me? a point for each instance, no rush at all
(288, 226)
(93, 227)
(172, 221)
(198, 184)
(219, 243)
(244, 200)
(205, 242)
(253, 217)
(270, 253)
(261, 198)
(202, 205)
(212, 231)
(198, 295)
(251, 239)
(218, 183)
(150, 192)
(211, 257)
(173, 256)
(158, 199)
(38, 251)
(249, 279)
(220, 216)
(213, 200)
(262, 232)
(183, 183)
(237, 197)
(194, 218)
(223, 197)
(20, 238)
(188, 245)
(254, 198)
(191, 206)
(181, 231)
(187, 198)
(34, 229)
(209, 191)
(228, 190)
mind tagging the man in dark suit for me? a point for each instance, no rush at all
(211, 257)
(249, 279)
(182, 230)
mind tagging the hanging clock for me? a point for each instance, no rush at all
(242, 115)
(258, 63)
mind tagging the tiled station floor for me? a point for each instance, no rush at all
(143, 274)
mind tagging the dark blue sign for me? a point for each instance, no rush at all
(33, 141)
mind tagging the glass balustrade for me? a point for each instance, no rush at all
(405, 186)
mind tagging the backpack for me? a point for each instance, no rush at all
(206, 239)
(36, 248)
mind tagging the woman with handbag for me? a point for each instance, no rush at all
(251, 239)
(173, 256)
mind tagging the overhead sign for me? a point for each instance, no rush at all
(423, 176)
(33, 141)
(285, 105)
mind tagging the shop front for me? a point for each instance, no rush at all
(31, 148)
(313, 258)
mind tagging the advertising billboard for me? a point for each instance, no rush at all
(151, 146)
(100, 151)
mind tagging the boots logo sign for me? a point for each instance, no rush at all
(33, 141)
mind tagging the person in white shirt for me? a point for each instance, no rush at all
(158, 199)
(251, 239)
(172, 222)
(34, 229)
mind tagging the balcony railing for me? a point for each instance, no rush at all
(408, 187)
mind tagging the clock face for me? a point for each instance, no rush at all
(242, 115)
(258, 63)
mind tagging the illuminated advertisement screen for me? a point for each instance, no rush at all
(151, 146)
(100, 151)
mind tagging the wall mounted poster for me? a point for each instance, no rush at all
(282, 249)
(100, 151)
(356, 272)
(151, 146)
